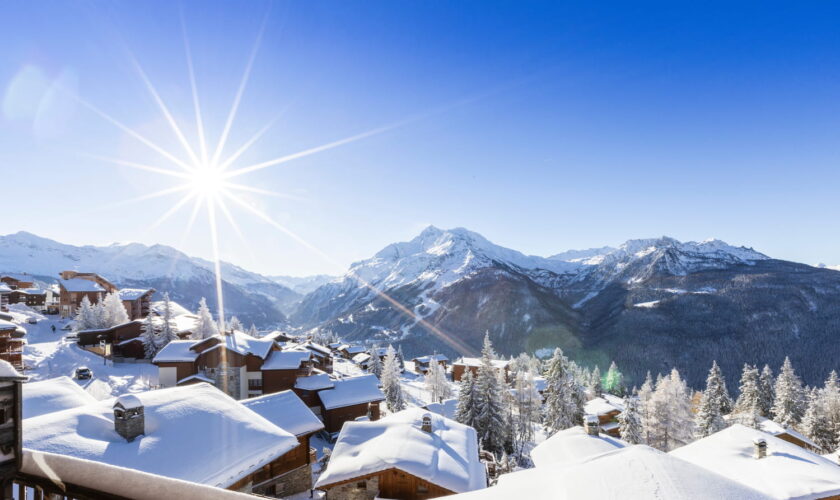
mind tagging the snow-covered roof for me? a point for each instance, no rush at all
(134, 293)
(26, 278)
(176, 351)
(4, 288)
(184, 322)
(775, 429)
(318, 349)
(352, 391)
(599, 406)
(631, 472)
(788, 470)
(447, 408)
(573, 445)
(241, 343)
(81, 285)
(198, 377)
(446, 457)
(429, 358)
(286, 411)
(8, 371)
(286, 360)
(476, 362)
(360, 358)
(314, 382)
(52, 395)
(195, 433)
(353, 349)
(175, 308)
(8, 325)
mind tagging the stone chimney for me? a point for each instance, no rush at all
(760, 447)
(591, 424)
(426, 425)
(129, 418)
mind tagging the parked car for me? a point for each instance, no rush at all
(83, 373)
(32, 320)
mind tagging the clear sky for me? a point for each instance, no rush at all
(543, 126)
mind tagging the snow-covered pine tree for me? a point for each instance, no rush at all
(716, 386)
(766, 391)
(167, 330)
(614, 381)
(374, 363)
(436, 383)
(831, 401)
(100, 315)
(391, 381)
(205, 327)
(816, 424)
(528, 402)
(253, 332)
(789, 405)
(645, 396)
(467, 408)
(114, 311)
(85, 319)
(234, 324)
(490, 421)
(747, 409)
(595, 388)
(149, 337)
(709, 417)
(630, 421)
(563, 403)
(400, 358)
(671, 419)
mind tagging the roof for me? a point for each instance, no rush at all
(775, 429)
(788, 470)
(353, 349)
(446, 457)
(631, 472)
(176, 351)
(56, 394)
(429, 358)
(286, 411)
(4, 288)
(197, 376)
(26, 278)
(175, 308)
(195, 433)
(134, 293)
(497, 363)
(447, 408)
(573, 445)
(81, 285)
(314, 382)
(599, 406)
(360, 358)
(8, 325)
(244, 344)
(352, 391)
(7, 371)
(318, 349)
(286, 360)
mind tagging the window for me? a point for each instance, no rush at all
(422, 489)
(254, 384)
(361, 485)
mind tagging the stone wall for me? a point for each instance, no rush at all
(352, 491)
(295, 481)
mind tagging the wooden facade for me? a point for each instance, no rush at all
(335, 417)
(36, 299)
(459, 369)
(69, 301)
(140, 307)
(17, 282)
(118, 337)
(389, 483)
(11, 347)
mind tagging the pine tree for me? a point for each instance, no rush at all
(391, 381)
(614, 381)
(100, 315)
(113, 311)
(256, 334)
(789, 405)
(816, 423)
(167, 331)
(528, 402)
(630, 421)
(467, 408)
(831, 402)
(234, 325)
(766, 391)
(716, 385)
(595, 388)
(400, 358)
(149, 337)
(436, 383)
(85, 319)
(646, 408)
(671, 423)
(708, 419)
(205, 327)
(374, 363)
(490, 421)
(747, 408)
(564, 402)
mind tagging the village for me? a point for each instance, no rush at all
(100, 379)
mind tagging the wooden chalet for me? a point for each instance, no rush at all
(137, 301)
(422, 363)
(5, 293)
(307, 389)
(11, 343)
(460, 367)
(408, 455)
(32, 297)
(75, 286)
(321, 356)
(17, 281)
(607, 409)
(350, 399)
(347, 351)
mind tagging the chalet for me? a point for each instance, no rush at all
(307, 389)
(321, 355)
(194, 433)
(240, 365)
(348, 351)
(631, 472)
(421, 364)
(288, 412)
(5, 293)
(575, 444)
(75, 286)
(279, 336)
(461, 366)
(350, 399)
(31, 297)
(607, 409)
(764, 462)
(362, 360)
(786, 434)
(17, 281)
(409, 455)
(137, 301)
(11, 343)
(52, 395)
(121, 341)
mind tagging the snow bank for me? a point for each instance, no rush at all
(573, 445)
(53, 395)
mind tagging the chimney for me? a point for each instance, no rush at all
(760, 447)
(590, 424)
(129, 418)
(426, 425)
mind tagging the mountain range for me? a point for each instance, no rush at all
(649, 304)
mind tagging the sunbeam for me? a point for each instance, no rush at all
(139, 166)
(217, 263)
(199, 123)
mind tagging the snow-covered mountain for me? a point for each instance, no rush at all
(303, 284)
(251, 296)
(671, 299)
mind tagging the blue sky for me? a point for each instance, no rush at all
(543, 126)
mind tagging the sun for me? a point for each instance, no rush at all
(207, 181)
